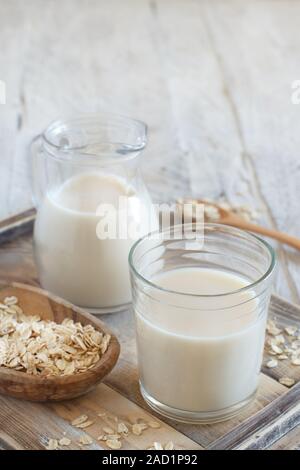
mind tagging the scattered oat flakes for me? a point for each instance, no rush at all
(122, 428)
(291, 330)
(85, 440)
(114, 444)
(272, 363)
(84, 425)
(211, 210)
(282, 356)
(295, 361)
(64, 441)
(280, 339)
(169, 446)
(289, 382)
(11, 300)
(158, 446)
(79, 420)
(154, 424)
(272, 328)
(276, 349)
(52, 444)
(138, 428)
(285, 344)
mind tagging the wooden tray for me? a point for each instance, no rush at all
(271, 421)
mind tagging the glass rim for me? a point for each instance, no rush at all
(57, 152)
(234, 230)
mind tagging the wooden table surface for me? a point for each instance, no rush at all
(213, 80)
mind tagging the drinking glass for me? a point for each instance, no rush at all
(200, 354)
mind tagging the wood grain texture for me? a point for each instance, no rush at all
(28, 426)
(264, 428)
(284, 317)
(35, 301)
(16, 260)
(115, 408)
(290, 441)
(17, 225)
(211, 79)
(267, 435)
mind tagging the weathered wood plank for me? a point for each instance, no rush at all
(17, 263)
(115, 408)
(285, 314)
(17, 225)
(284, 311)
(271, 433)
(14, 36)
(26, 425)
(251, 39)
(291, 441)
(262, 427)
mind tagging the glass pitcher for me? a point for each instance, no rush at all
(91, 206)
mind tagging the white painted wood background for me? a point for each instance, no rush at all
(212, 78)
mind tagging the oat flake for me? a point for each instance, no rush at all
(64, 441)
(114, 444)
(169, 446)
(52, 444)
(84, 425)
(154, 424)
(272, 363)
(122, 428)
(85, 440)
(138, 428)
(289, 382)
(79, 420)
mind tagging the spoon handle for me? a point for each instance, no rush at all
(280, 236)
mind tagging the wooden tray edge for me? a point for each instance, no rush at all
(17, 225)
(265, 427)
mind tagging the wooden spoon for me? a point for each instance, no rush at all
(35, 301)
(228, 217)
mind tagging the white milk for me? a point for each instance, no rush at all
(73, 262)
(196, 360)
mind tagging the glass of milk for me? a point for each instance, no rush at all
(91, 206)
(200, 306)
